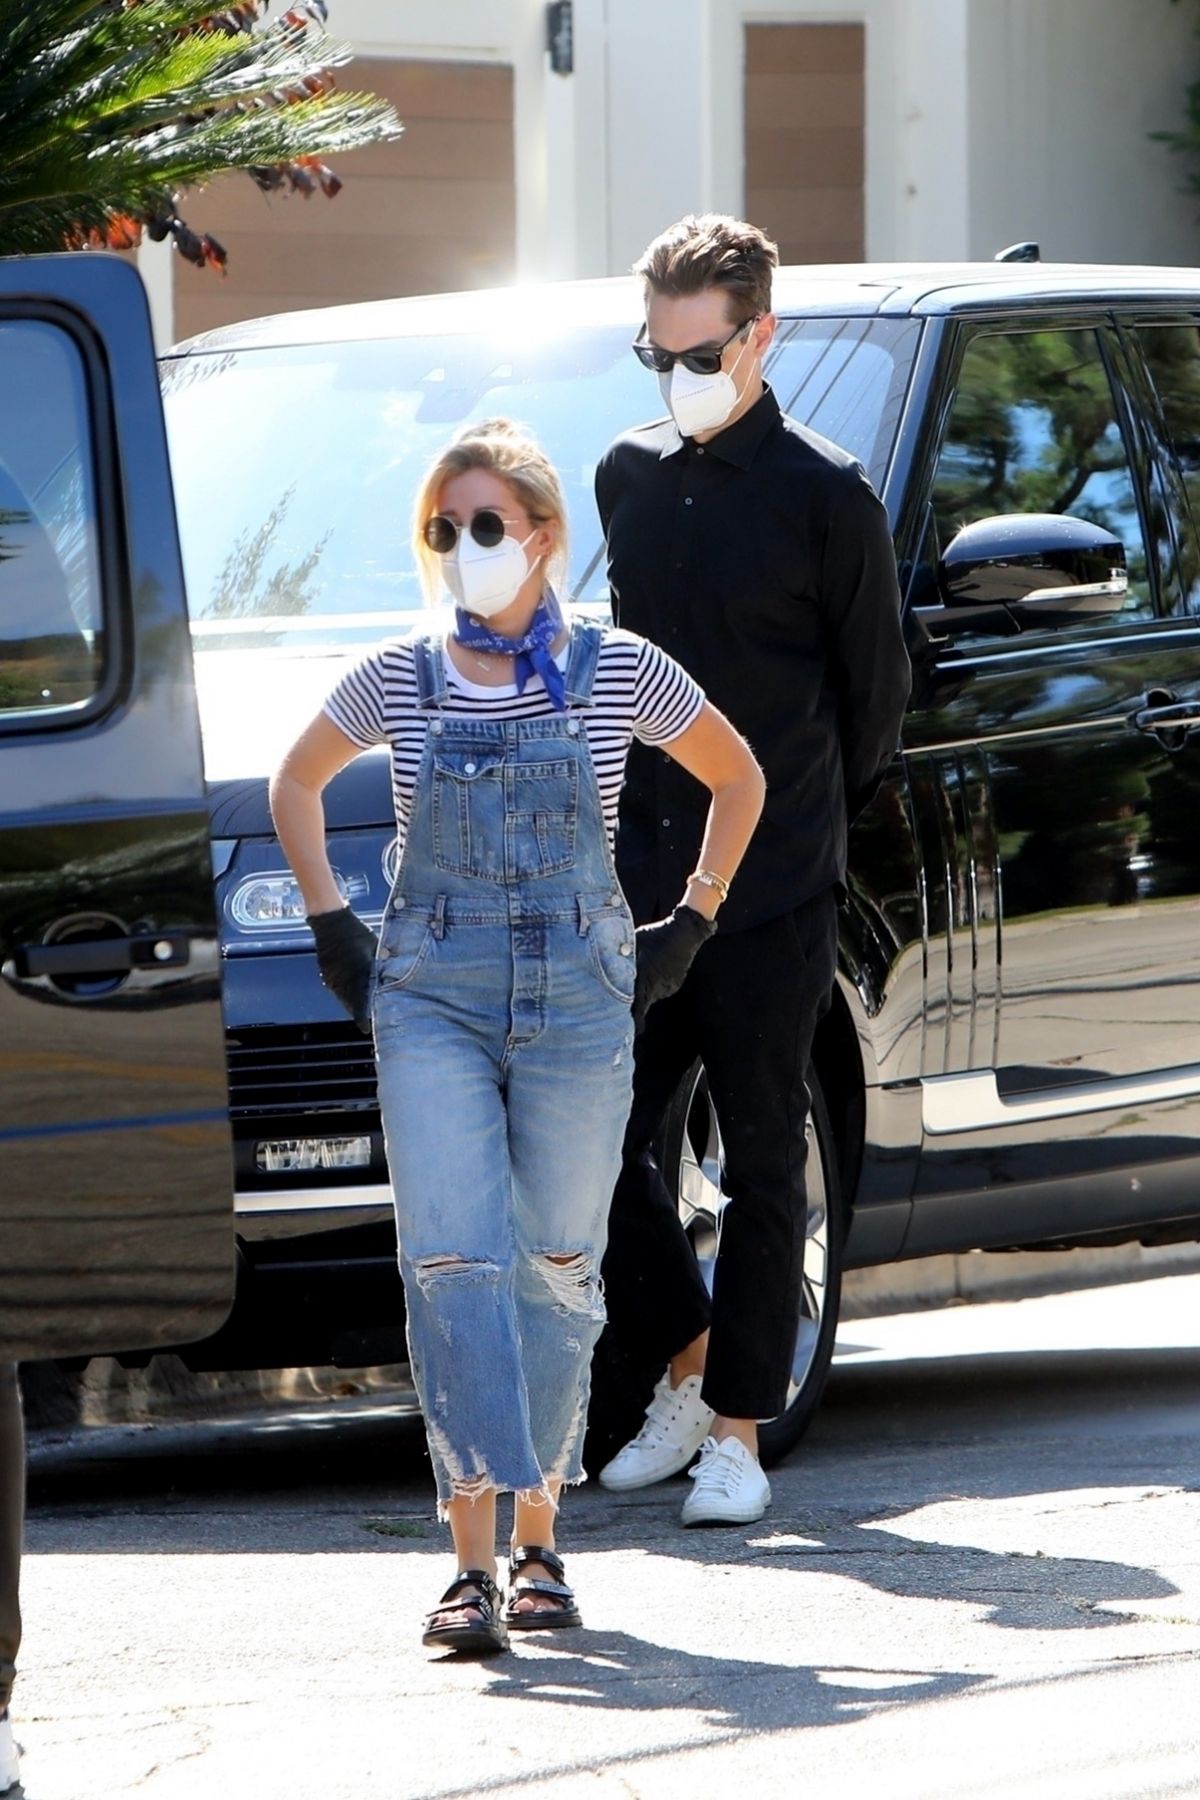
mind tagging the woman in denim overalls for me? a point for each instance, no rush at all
(502, 989)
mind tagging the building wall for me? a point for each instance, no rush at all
(982, 121)
(1062, 99)
(431, 213)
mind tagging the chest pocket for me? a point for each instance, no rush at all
(504, 818)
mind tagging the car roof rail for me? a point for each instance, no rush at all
(1026, 252)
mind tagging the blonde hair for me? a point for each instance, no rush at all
(507, 451)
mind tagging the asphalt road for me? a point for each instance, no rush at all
(980, 1578)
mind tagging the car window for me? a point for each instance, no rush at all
(1172, 355)
(295, 468)
(1034, 428)
(51, 618)
(846, 380)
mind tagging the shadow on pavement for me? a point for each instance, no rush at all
(615, 1669)
(893, 1438)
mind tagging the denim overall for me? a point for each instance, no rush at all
(504, 1041)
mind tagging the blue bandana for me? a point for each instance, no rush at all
(530, 653)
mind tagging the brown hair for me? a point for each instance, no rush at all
(712, 251)
(508, 451)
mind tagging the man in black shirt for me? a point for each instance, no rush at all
(759, 556)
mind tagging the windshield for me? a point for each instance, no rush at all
(295, 467)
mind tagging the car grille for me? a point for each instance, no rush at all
(308, 1068)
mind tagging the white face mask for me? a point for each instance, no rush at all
(701, 402)
(483, 580)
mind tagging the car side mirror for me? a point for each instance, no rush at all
(1025, 572)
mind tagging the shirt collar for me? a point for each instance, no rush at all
(738, 443)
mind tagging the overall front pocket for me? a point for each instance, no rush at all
(499, 820)
(468, 813)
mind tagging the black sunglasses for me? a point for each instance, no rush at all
(486, 527)
(700, 362)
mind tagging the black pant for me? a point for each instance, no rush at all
(748, 1009)
(12, 1519)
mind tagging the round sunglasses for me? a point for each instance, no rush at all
(700, 362)
(486, 527)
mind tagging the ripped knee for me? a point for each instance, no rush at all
(430, 1270)
(572, 1280)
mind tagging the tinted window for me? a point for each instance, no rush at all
(1172, 354)
(51, 624)
(1033, 428)
(295, 468)
(846, 379)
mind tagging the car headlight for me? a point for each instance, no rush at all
(272, 902)
(265, 902)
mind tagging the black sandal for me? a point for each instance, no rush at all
(541, 1618)
(482, 1636)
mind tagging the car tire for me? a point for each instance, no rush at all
(690, 1153)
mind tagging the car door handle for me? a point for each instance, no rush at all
(103, 956)
(1166, 713)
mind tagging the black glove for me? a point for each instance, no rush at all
(346, 957)
(665, 953)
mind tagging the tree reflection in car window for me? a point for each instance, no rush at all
(1033, 428)
(1172, 354)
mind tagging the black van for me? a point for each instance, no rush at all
(115, 1179)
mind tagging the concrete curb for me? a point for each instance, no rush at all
(982, 1275)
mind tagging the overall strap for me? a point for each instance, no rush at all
(582, 658)
(430, 671)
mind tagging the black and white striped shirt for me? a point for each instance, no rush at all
(639, 691)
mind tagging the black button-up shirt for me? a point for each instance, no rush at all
(762, 561)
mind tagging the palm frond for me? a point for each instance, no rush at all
(109, 109)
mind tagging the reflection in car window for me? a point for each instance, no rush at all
(295, 468)
(1033, 428)
(1172, 353)
(51, 624)
(846, 379)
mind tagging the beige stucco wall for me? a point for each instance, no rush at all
(1062, 97)
(985, 121)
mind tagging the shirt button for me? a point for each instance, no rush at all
(687, 499)
(699, 449)
(666, 822)
(468, 768)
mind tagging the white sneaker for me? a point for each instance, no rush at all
(677, 1423)
(10, 1761)
(730, 1487)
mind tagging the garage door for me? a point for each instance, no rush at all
(804, 109)
(432, 212)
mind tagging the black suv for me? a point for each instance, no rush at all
(1012, 1058)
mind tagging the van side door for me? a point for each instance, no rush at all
(115, 1165)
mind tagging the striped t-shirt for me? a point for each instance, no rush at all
(638, 691)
